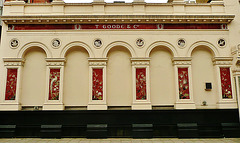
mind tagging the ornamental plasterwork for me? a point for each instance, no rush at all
(236, 72)
(235, 50)
(140, 43)
(140, 61)
(221, 43)
(56, 43)
(97, 61)
(13, 61)
(182, 61)
(97, 43)
(238, 49)
(181, 43)
(14, 43)
(118, 19)
(222, 61)
(55, 61)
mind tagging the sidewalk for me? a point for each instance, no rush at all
(124, 140)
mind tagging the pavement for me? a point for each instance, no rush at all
(118, 140)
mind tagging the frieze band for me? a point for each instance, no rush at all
(113, 26)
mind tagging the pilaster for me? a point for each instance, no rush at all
(97, 87)
(141, 84)
(13, 103)
(183, 82)
(221, 63)
(54, 89)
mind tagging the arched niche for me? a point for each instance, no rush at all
(33, 77)
(203, 72)
(169, 46)
(30, 45)
(76, 44)
(117, 44)
(119, 77)
(76, 77)
(162, 76)
(214, 51)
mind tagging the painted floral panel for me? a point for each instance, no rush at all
(97, 84)
(54, 84)
(11, 85)
(183, 83)
(141, 88)
(226, 83)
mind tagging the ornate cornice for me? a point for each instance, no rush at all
(222, 61)
(97, 61)
(140, 61)
(182, 61)
(55, 61)
(118, 19)
(13, 61)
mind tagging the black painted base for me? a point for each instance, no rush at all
(121, 124)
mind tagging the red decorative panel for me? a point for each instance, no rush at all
(183, 83)
(97, 84)
(11, 85)
(113, 26)
(54, 84)
(194, 26)
(226, 83)
(141, 88)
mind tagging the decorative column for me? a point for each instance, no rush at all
(12, 84)
(226, 92)
(97, 91)
(141, 84)
(54, 89)
(183, 82)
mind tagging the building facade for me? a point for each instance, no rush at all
(120, 56)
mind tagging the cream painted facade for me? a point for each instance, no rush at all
(119, 56)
